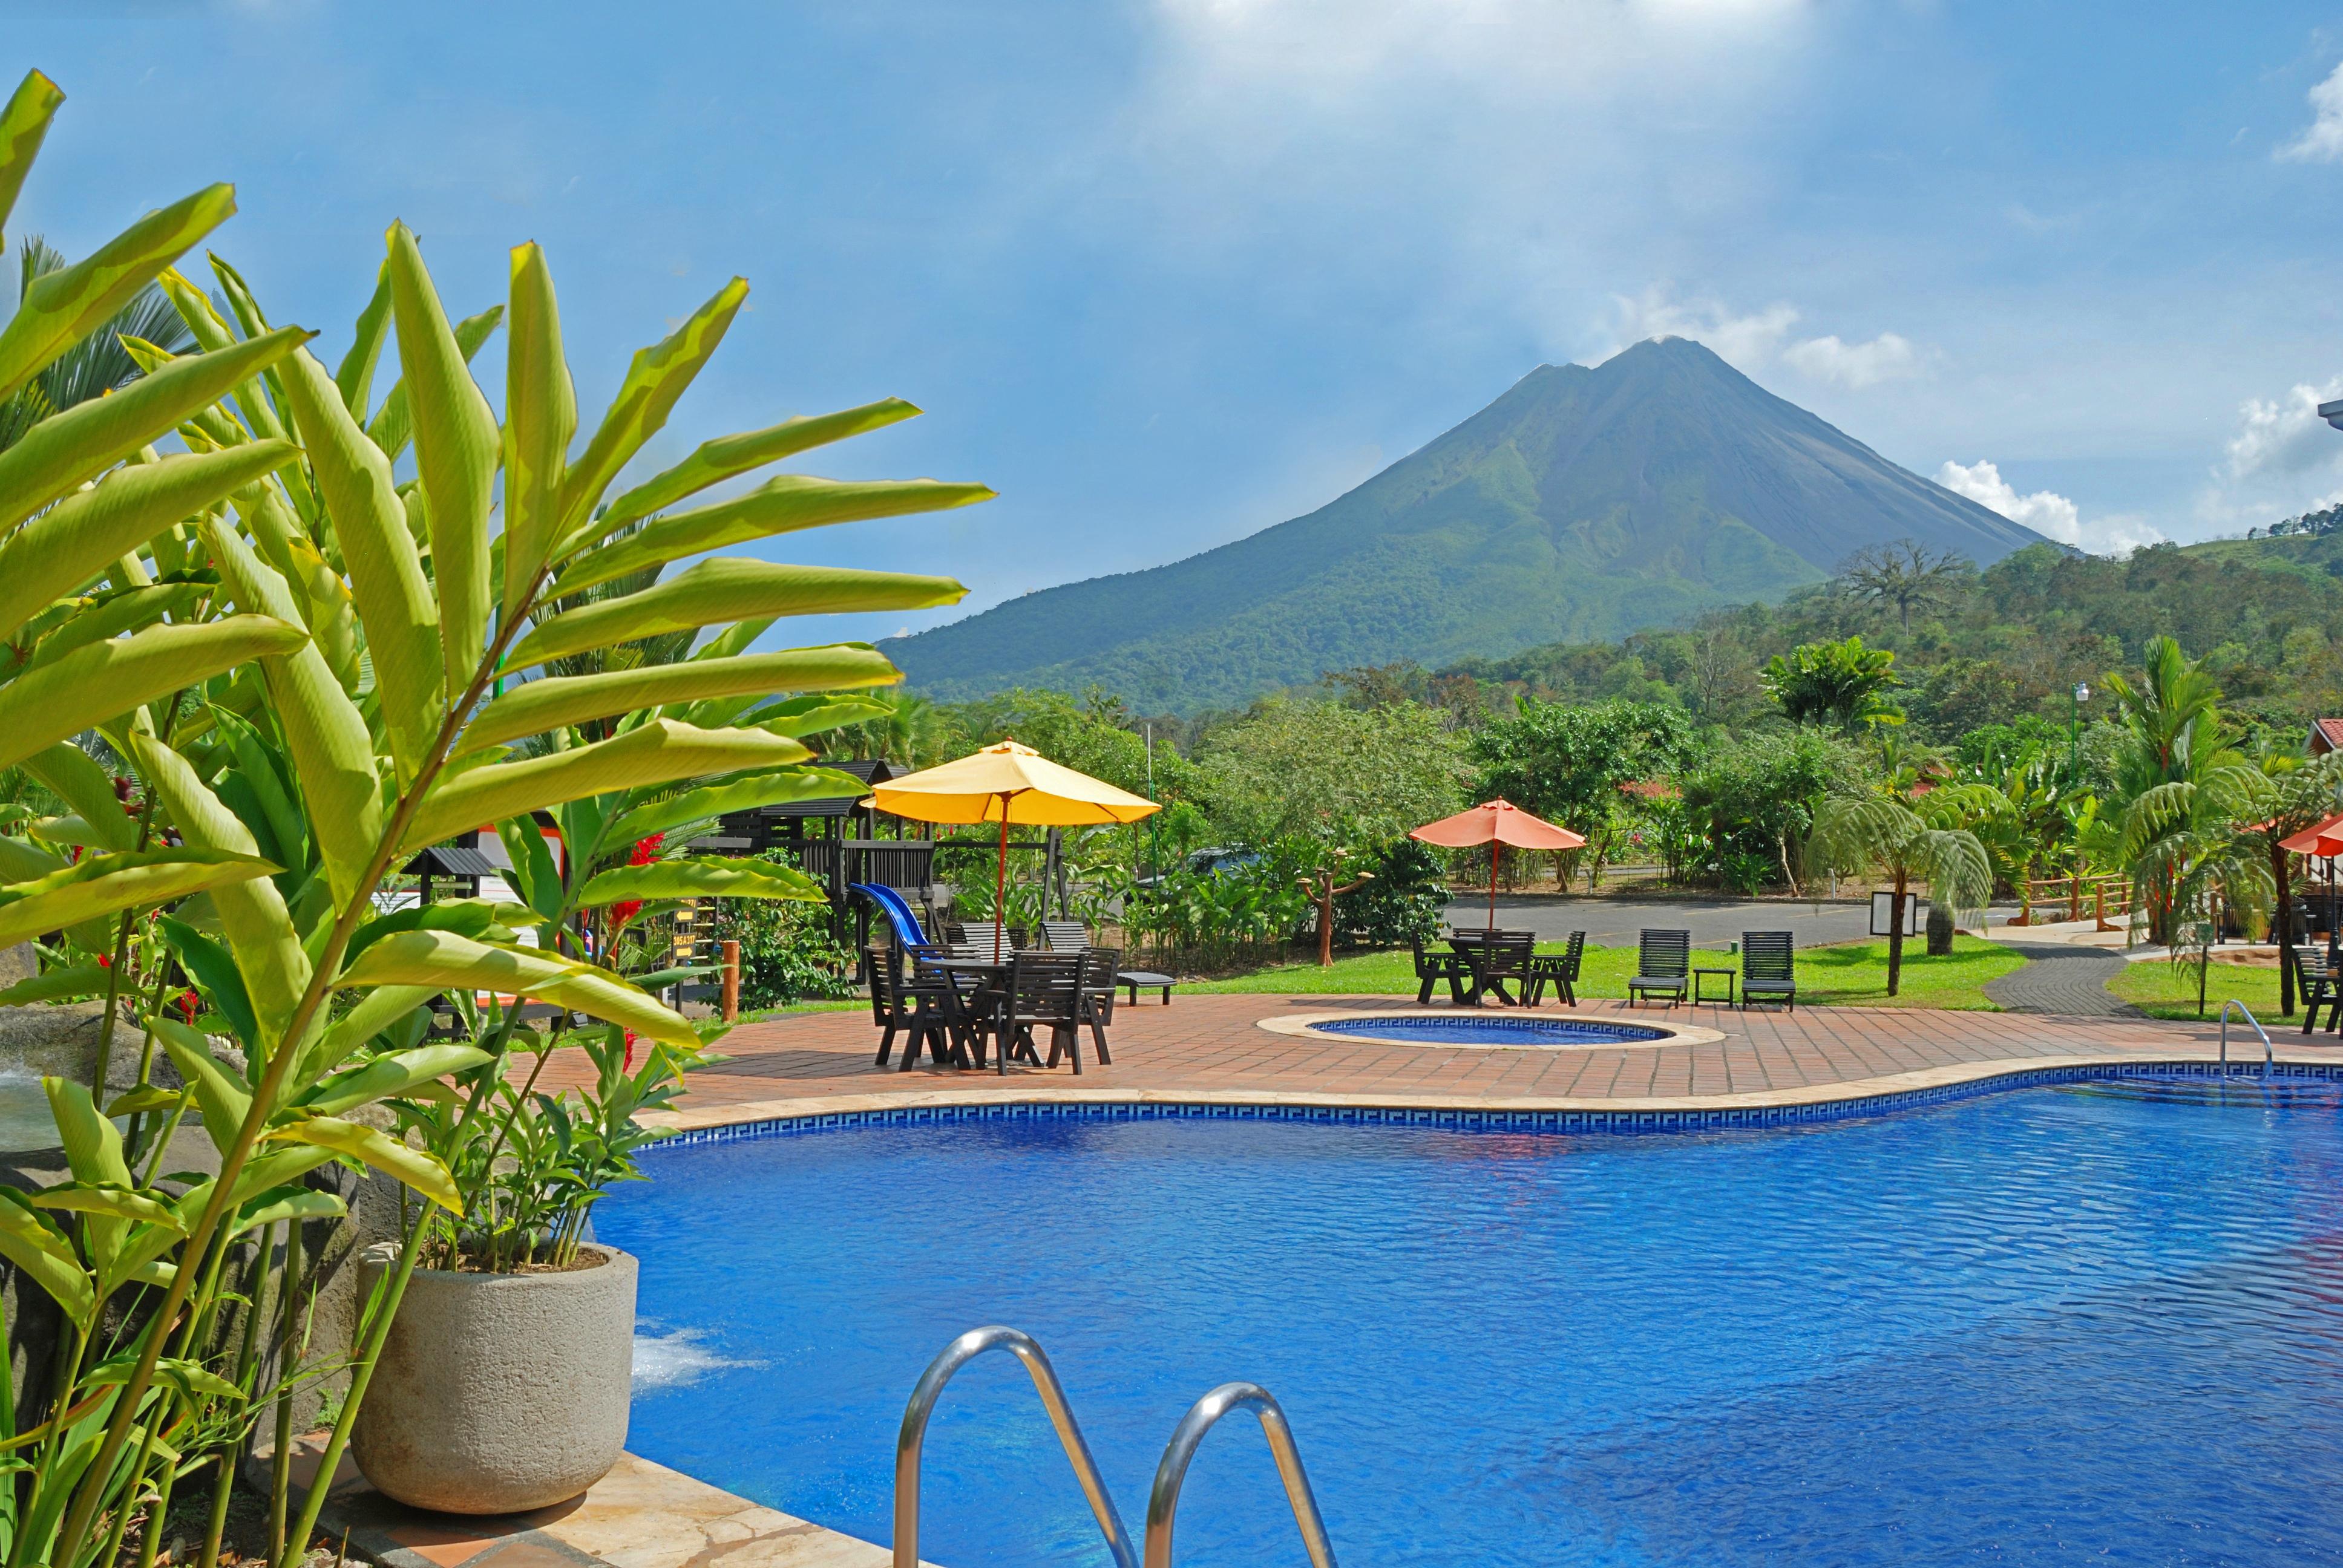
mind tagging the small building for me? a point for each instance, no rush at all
(838, 840)
(2326, 735)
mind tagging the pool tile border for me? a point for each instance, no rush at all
(1994, 1077)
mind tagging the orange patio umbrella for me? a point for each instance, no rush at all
(1007, 783)
(2321, 842)
(1496, 822)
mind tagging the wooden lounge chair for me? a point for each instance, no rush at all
(1065, 936)
(1769, 968)
(1559, 970)
(1663, 966)
(1432, 968)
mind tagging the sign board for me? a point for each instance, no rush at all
(1916, 914)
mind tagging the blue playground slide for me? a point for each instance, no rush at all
(898, 912)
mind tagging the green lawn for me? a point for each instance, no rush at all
(1851, 974)
(2157, 988)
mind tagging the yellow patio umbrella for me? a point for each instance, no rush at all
(1007, 783)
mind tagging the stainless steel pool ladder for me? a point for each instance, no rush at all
(1163, 1500)
(2268, 1054)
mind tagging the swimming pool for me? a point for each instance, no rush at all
(2053, 1325)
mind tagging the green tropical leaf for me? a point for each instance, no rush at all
(57, 985)
(92, 1148)
(333, 755)
(658, 376)
(803, 716)
(39, 1248)
(541, 417)
(354, 377)
(715, 800)
(124, 879)
(659, 752)
(721, 590)
(80, 535)
(61, 307)
(77, 780)
(252, 913)
(23, 123)
(115, 1203)
(295, 1203)
(721, 459)
(394, 423)
(456, 455)
(394, 1073)
(449, 962)
(413, 1167)
(138, 1101)
(114, 614)
(693, 877)
(105, 680)
(67, 448)
(223, 1098)
(215, 971)
(376, 1011)
(394, 601)
(551, 703)
(188, 1379)
(784, 504)
(465, 916)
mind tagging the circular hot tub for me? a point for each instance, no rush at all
(1491, 1031)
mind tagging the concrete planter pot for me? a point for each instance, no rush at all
(498, 1393)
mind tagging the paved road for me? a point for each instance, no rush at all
(1614, 922)
(2069, 981)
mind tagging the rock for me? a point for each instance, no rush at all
(62, 1038)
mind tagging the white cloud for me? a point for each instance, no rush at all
(2046, 512)
(1886, 357)
(2322, 143)
(2284, 435)
(1754, 341)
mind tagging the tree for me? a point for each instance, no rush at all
(1914, 830)
(1333, 783)
(1759, 796)
(1905, 574)
(1566, 762)
(2303, 792)
(1843, 685)
(2181, 785)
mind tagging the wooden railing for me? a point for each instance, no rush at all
(2105, 895)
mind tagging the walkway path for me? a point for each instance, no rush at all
(2068, 982)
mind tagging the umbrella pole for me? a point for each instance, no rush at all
(1493, 852)
(1000, 883)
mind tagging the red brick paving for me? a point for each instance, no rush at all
(1213, 1044)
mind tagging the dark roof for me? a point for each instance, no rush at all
(870, 770)
(451, 860)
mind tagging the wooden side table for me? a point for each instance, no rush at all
(1731, 978)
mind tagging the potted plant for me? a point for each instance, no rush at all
(503, 1386)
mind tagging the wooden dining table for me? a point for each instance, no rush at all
(1473, 949)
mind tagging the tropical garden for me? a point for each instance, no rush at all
(283, 610)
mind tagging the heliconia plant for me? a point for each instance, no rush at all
(308, 669)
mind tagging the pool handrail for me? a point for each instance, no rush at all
(914, 1431)
(897, 910)
(1163, 1499)
(2268, 1053)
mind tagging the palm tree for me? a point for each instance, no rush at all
(97, 364)
(1914, 830)
(2182, 790)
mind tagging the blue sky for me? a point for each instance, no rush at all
(1165, 272)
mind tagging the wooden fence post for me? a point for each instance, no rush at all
(731, 981)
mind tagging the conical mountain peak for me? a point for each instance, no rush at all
(1582, 504)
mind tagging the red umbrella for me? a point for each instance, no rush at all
(2321, 841)
(1496, 822)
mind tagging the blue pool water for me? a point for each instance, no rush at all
(1491, 1028)
(2052, 1326)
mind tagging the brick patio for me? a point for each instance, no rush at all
(1212, 1047)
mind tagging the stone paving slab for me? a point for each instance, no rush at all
(2061, 979)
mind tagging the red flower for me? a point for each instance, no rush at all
(187, 1005)
(646, 851)
(630, 1051)
(105, 962)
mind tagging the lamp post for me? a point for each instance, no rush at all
(2079, 696)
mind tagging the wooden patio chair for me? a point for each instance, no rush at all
(1043, 990)
(2314, 974)
(1065, 936)
(1769, 968)
(1663, 966)
(1559, 970)
(1432, 968)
